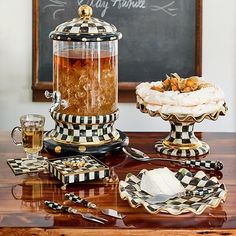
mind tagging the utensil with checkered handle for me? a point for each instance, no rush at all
(76, 199)
(88, 216)
(57, 206)
(202, 164)
(198, 192)
(211, 165)
(109, 212)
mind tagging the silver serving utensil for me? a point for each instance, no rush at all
(202, 164)
(109, 212)
(161, 198)
(87, 216)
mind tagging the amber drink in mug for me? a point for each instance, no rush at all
(32, 128)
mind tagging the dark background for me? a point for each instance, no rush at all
(154, 42)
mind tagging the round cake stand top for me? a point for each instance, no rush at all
(186, 118)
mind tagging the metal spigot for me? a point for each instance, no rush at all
(56, 100)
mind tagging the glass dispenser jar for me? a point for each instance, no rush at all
(86, 75)
(85, 63)
(85, 80)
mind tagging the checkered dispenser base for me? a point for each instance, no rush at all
(181, 142)
(84, 134)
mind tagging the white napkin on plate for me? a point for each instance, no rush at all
(161, 181)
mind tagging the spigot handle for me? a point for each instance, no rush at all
(64, 103)
(48, 94)
(56, 99)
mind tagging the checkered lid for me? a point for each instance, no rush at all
(85, 29)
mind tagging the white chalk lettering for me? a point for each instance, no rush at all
(129, 4)
(104, 6)
(166, 8)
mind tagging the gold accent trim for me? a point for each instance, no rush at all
(87, 143)
(82, 148)
(103, 167)
(85, 12)
(57, 149)
(188, 118)
(82, 172)
(182, 146)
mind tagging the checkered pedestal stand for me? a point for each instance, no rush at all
(181, 142)
(83, 134)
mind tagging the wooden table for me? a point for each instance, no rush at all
(22, 211)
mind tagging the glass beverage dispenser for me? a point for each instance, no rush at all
(85, 86)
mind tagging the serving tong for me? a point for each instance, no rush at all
(88, 216)
(109, 212)
(136, 154)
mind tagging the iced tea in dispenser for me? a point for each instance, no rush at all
(86, 75)
(85, 87)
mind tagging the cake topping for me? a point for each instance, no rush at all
(175, 83)
(191, 96)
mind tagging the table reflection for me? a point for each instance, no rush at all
(210, 218)
(30, 192)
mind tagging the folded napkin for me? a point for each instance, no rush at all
(161, 181)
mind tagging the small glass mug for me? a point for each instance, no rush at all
(32, 127)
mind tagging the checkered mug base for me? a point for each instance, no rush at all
(182, 142)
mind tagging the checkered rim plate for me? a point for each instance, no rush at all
(130, 190)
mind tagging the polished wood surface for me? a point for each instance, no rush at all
(22, 211)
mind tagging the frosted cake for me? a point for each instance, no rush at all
(175, 95)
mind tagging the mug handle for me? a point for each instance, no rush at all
(16, 129)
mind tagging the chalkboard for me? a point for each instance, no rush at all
(159, 37)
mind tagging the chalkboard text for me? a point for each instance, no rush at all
(168, 8)
(105, 4)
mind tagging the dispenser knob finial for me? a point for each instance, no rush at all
(85, 11)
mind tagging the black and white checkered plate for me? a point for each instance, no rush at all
(130, 190)
(19, 169)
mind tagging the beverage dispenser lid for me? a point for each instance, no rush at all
(85, 29)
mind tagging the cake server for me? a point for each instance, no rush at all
(140, 156)
(87, 216)
(109, 212)
(161, 198)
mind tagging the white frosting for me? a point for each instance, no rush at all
(196, 103)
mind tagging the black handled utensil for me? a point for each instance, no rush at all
(161, 198)
(88, 216)
(109, 212)
(208, 164)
